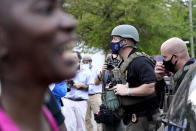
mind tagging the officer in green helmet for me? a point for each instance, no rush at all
(133, 95)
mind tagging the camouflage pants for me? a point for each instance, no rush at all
(143, 124)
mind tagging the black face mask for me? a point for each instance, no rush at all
(169, 66)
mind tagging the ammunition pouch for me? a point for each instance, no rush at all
(112, 101)
(167, 101)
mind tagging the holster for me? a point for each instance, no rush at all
(105, 116)
(148, 114)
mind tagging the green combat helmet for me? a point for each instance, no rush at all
(126, 31)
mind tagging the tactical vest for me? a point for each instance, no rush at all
(168, 97)
(182, 89)
(119, 75)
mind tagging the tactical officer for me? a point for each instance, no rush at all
(175, 60)
(94, 94)
(136, 95)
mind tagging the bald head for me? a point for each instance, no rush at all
(175, 46)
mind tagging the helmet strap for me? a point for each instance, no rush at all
(129, 45)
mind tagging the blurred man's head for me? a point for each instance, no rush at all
(175, 54)
(33, 36)
(77, 56)
(86, 60)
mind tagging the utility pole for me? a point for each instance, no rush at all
(191, 29)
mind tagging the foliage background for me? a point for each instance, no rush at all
(156, 21)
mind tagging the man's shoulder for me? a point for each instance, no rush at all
(141, 64)
(140, 60)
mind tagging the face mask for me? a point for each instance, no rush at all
(85, 65)
(169, 66)
(115, 47)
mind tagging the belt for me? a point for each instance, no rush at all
(77, 99)
(133, 117)
(94, 94)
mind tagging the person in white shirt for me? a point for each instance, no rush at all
(94, 91)
(75, 101)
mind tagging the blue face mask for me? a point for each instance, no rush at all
(115, 47)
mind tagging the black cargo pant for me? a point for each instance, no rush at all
(117, 126)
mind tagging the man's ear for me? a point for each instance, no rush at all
(125, 41)
(175, 57)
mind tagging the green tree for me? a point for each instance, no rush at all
(156, 21)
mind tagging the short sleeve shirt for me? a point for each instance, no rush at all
(93, 89)
(140, 71)
(83, 76)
